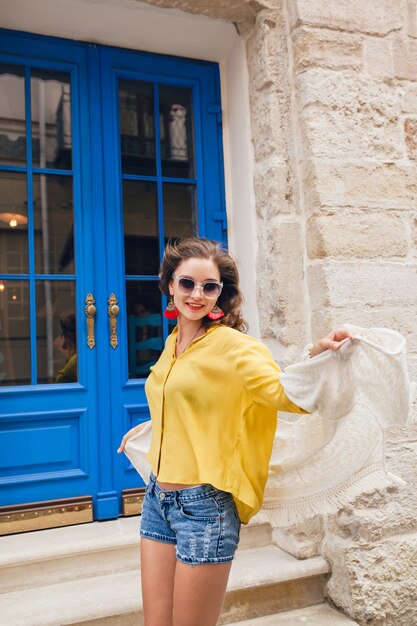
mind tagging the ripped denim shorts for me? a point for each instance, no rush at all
(201, 521)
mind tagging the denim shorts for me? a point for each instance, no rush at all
(201, 521)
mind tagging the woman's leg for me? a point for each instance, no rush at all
(199, 593)
(158, 562)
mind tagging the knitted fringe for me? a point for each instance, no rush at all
(288, 512)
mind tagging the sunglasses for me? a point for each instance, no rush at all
(210, 288)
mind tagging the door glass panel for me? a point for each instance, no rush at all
(141, 228)
(180, 215)
(177, 135)
(56, 339)
(137, 127)
(12, 115)
(51, 119)
(13, 224)
(14, 332)
(144, 326)
(54, 235)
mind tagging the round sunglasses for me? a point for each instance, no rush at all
(210, 288)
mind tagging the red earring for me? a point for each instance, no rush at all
(171, 312)
(216, 313)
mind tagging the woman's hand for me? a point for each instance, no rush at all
(331, 342)
(130, 433)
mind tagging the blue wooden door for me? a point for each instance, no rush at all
(108, 154)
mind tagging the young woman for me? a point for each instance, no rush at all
(213, 397)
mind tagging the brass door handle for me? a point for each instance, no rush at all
(113, 311)
(90, 313)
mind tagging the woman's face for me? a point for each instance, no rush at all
(196, 305)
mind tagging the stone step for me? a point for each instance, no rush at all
(263, 580)
(84, 551)
(319, 615)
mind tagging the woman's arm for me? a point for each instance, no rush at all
(260, 373)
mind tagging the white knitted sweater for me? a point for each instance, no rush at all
(322, 461)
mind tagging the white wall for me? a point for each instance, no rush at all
(131, 24)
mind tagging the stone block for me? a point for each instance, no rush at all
(366, 133)
(280, 285)
(378, 57)
(347, 90)
(375, 585)
(314, 47)
(404, 53)
(362, 285)
(370, 184)
(274, 193)
(262, 49)
(347, 114)
(410, 133)
(360, 235)
(267, 124)
(377, 17)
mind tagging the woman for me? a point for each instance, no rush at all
(213, 397)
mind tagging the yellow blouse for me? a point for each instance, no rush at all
(214, 414)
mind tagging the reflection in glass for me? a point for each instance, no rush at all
(51, 119)
(13, 224)
(141, 228)
(177, 135)
(137, 127)
(12, 115)
(14, 332)
(56, 339)
(144, 326)
(54, 238)
(180, 210)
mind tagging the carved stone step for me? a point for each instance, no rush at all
(263, 580)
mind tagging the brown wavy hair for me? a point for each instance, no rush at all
(230, 299)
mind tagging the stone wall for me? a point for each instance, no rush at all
(353, 142)
(355, 65)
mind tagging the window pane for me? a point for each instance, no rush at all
(56, 337)
(51, 119)
(177, 136)
(144, 326)
(137, 127)
(141, 228)
(54, 234)
(13, 224)
(180, 210)
(12, 115)
(14, 333)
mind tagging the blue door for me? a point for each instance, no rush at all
(105, 154)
